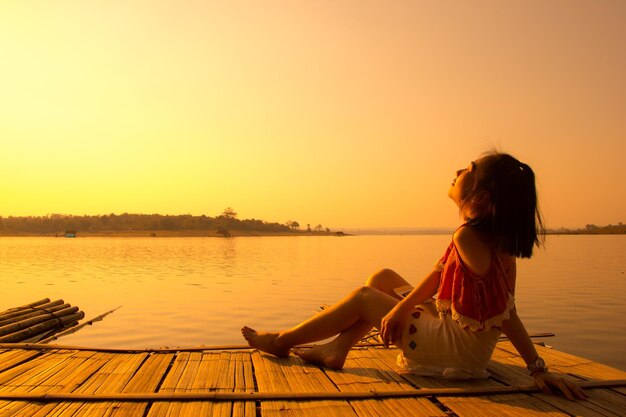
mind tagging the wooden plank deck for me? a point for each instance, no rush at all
(71, 372)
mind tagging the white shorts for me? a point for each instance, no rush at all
(435, 345)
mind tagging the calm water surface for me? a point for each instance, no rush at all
(195, 291)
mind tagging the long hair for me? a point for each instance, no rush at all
(504, 199)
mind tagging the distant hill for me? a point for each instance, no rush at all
(225, 224)
(587, 230)
(592, 229)
(58, 224)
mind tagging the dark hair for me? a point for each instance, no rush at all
(505, 200)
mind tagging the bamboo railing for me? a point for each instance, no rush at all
(292, 396)
(38, 320)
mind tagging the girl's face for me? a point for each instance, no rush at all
(462, 184)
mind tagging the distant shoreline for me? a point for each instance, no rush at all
(177, 233)
(252, 233)
(225, 225)
(591, 229)
(583, 232)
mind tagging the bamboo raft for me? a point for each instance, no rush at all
(48, 380)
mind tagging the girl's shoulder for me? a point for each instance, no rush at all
(473, 248)
(468, 234)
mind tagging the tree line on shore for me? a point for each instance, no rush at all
(592, 229)
(59, 223)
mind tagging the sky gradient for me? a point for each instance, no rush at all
(345, 114)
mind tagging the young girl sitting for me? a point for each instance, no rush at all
(473, 284)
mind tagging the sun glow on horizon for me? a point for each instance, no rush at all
(349, 115)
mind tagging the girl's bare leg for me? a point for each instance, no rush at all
(366, 303)
(334, 353)
(351, 318)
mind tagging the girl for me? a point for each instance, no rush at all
(473, 284)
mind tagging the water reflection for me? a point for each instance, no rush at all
(192, 291)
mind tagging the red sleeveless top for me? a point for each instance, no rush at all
(475, 302)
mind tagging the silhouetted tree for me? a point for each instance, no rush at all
(229, 213)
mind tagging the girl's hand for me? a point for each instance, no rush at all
(545, 380)
(391, 325)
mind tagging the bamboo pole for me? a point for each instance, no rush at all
(42, 346)
(533, 335)
(41, 327)
(293, 396)
(77, 328)
(36, 303)
(38, 338)
(33, 313)
(501, 338)
(24, 324)
(16, 313)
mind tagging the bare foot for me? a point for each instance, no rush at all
(265, 342)
(326, 355)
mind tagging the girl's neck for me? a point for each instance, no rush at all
(466, 212)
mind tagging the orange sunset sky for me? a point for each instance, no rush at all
(344, 113)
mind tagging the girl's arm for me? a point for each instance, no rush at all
(425, 290)
(514, 329)
(391, 324)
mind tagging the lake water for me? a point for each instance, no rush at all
(182, 292)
